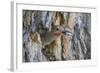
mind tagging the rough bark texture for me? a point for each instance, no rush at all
(56, 36)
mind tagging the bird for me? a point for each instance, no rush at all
(48, 36)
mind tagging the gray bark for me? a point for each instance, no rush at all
(41, 44)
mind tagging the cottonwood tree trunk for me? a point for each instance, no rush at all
(41, 40)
